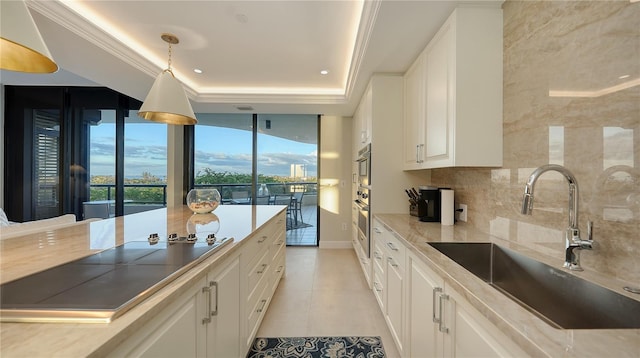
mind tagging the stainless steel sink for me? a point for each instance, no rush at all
(559, 298)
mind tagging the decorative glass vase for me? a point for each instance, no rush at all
(202, 201)
(263, 191)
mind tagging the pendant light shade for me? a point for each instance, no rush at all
(22, 48)
(167, 102)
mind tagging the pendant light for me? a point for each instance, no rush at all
(167, 102)
(22, 48)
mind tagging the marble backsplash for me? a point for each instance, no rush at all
(571, 97)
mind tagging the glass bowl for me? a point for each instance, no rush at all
(202, 201)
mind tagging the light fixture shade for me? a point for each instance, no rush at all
(167, 102)
(22, 48)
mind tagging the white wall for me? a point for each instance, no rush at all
(175, 156)
(335, 182)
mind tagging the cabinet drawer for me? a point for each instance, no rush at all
(278, 245)
(258, 269)
(378, 289)
(257, 307)
(277, 270)
(378, 257)
(394, 250)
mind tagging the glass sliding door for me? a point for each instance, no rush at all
(287, 167)
(223, 156)
(102, 164)
(145, 164)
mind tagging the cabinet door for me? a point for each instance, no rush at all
(177, 331)
(223, 334)
(424, 338)
(366, 117)
(438, 122)
(413, 114)
(472, 335)
(395, 303)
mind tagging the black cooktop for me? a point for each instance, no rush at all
(107, 282)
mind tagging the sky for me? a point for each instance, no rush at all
(222, 149)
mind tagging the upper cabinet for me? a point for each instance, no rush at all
(453, 95)
(363, 118)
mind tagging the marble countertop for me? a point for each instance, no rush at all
(25, 255)
(533, 335)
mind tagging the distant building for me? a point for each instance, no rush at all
(298, 171)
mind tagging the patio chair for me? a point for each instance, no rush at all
(296, 206)
(283, 199)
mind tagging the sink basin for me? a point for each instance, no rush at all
(561, 299)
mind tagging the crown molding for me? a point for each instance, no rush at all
(63, 15)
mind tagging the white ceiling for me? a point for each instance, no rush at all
(265, 54)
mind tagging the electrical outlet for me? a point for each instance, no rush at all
(462, 215)
(344, 226)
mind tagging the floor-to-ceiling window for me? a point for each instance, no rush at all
(287, 164)
(262, 160)
(50, 157)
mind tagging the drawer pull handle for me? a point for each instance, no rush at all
(280, 269)
(264, 267)
(207, 291)
(214, 284)
(390, 259)
(441, 327)
(264, 302)
(263, 238)
(377, 255)
(392, 246)
(375, 285)
(377, 230)
(433, 305)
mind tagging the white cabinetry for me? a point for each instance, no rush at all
(443, 324)
(363, 120)
(218, 316)
(454, 117)
(202, 322)
(262, 262)
(388, 283)
(414, 116)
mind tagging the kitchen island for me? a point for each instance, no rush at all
(506, 328)
(258, 234)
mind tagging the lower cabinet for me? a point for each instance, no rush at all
(203, 322)
(443, 324)
(388, 256)
(219, 315)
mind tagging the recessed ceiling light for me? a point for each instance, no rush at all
(197, 70)
(324, 72)
(624, 76)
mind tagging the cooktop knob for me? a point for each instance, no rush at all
(192, 238)
(153, 238)
(172, 237)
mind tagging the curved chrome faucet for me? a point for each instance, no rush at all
(573, 242)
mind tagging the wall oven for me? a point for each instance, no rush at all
(363, 195)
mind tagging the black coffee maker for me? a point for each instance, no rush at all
(427, 208)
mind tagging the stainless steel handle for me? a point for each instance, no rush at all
(375, 286)
(279, 269)
(421, 152)
(214, 284)
(264, 302)
(377, 230)
(441, 327)
(263, 238)
(376, 254)
(207, 290)
(417, 153)
(392, 246)
(390, 259)
(279, 243)
(264, 267)
(433, 304)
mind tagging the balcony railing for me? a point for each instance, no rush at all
(226, 191)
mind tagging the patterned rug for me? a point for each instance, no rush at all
(312, 347)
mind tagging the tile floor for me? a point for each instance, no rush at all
(324, 293)
(307, 235)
